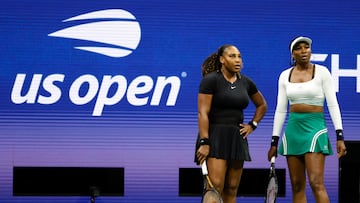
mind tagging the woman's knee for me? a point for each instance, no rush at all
(231, 189)
(316, 183)
(218, 183)
(298, 185)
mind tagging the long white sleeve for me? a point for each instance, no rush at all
(281, 105)
(331, 99)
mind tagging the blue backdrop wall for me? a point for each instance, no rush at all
(114, 83)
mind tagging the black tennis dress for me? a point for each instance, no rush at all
(226, 113)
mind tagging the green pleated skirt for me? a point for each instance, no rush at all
(305, 132)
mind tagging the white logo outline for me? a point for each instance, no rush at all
(115, 28)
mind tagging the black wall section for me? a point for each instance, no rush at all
(68, 181)
(349, 174)
(253, 182)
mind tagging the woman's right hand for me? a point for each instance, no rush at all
(202, 153)
(272, 152)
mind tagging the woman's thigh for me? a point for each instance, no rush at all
(217, 171)
(296, 165)
(233, 175)
(315, 163)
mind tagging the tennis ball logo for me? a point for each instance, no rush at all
(115, 32)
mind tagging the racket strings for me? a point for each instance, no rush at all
(272, 190)
(272, 187)
(211, 195)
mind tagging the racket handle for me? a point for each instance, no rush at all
(273, 159)
(204, 168)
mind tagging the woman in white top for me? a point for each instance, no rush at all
(305, 87)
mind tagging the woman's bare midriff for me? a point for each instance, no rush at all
(304, 108)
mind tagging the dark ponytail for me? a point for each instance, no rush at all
(212, 62)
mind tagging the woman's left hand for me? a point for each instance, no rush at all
(245, 130)
(202, 153)
(341, 148)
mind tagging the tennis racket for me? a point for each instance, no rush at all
(210, 194)
(272, 186)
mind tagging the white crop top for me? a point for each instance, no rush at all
(309, 92)
(313, 92)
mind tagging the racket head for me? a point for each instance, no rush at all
(211, 196)
(272, 190)
(272, 186)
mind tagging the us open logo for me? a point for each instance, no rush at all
(116, 33)
(116, 30)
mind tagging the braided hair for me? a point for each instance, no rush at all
(212, 62)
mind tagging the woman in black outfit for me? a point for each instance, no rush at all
(222, 141)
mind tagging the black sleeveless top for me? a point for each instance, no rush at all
(229, 100)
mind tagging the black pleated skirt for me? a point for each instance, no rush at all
(226, 143)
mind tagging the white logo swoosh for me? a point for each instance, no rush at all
(122, 33)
